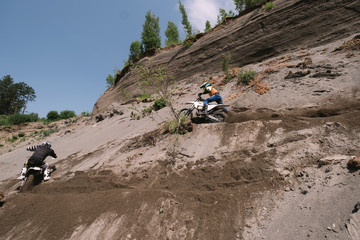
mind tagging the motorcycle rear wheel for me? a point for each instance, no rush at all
(220, 116)
(29, 183)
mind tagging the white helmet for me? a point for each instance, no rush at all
(46, 144)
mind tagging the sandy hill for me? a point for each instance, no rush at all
(278, 168)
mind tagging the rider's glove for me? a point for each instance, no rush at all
(199, 95)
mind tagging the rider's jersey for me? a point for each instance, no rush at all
(40, 153)
(210, 90)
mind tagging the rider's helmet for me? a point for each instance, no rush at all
(205, 85)
(46, 144)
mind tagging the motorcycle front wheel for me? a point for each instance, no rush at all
(185, 112)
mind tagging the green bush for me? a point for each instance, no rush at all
(146, 111)
(226, 62)
(177, 126)
(66, 114)
(269, 6)
(187, 43)
(4, 120)
(85, 114)
(144, 96)
(12, 139)
(34, 117)
(172, 126)
(45, 133)
(134, 116)
(245, 76)
(159, 104)
(21, 134)
(53, 115)
(23, 118)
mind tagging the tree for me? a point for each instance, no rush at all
(172, 34)
(157, 80)
(6, 94)
(150, 36)
(14, 96)
(185, 22)
(110, 80)
(223, 15)
(135, 51)
(24, 94)
(207, 26)
(241, 5)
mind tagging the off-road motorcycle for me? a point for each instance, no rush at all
(33, 176)
(215, 112)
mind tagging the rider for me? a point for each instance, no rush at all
(214, 95)
(38, 159)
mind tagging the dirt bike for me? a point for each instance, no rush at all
(33, 176)
(215, 112)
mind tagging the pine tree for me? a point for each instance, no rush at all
(135, 51)
(240, 5)
(185, 22)
(150, 36)
(207, 26)
(172, 34)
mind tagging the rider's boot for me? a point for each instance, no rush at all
(22, 174)
(47, 175)
(205, 109)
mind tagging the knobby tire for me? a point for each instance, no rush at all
(28, 184)
(185, 112)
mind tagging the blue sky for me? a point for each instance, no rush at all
(64, 49)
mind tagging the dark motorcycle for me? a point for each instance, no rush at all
(33, 177)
